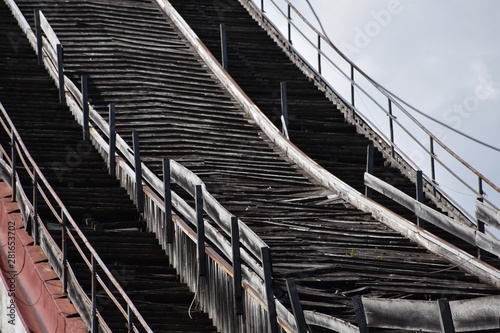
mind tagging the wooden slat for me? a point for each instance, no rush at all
(487, 214)
(49, 32)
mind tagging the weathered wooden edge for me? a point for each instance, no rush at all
(487, 214)
(326, 321)
(49, 32)
(432, 243)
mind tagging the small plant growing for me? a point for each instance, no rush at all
(352, 254)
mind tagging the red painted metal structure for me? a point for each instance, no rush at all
(39, 304)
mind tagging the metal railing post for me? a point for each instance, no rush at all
(289, 19)
(85, 107)
(445, 316)
(138, 172)
(200, 230)
(296, 306)
(14, 166)
(370, 153)
(112, 141)
(167, 194)
(39, 42)
(420, 195)
(352, 85)
(319, 54)
(480, 224)
(60, 69)
(262, 6)
(223, 46)
(268, 285)
(64, 248)
(36, 237)
(235, 245)
(433, 166)
(130, 319)
(391, 127)
(284, 108)
(94, 295)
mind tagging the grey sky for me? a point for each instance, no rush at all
(441, 56)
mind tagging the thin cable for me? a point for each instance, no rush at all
(400, 99)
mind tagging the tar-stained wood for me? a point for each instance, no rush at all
(316, 233)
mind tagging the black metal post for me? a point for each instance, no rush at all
(130, 320)
(480, 224)
(319, 54)
(289, 24)
(268, 285)
(138, 172)
(352, 85)
(446, 317)
(420, 195)
(391, 127)
(36, 237)
(39, 42)
(223, 46)
(433, 166)
(235, 244)
(85, 107)
(60, 69)
(94, 295)
(262, 6)
(200, 230)
(284, 107)
(296, 306)
(112, 141)
(14, 166)
(370, 153)
(359, 310)
(167, 194)
(64, 248)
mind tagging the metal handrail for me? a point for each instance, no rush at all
(21, 150)
(384, 92)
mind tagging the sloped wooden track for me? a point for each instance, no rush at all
(79, 175)
(138, 61)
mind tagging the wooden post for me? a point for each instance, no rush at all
(370, 153)
(35, 208)
(268, 285)
(60, 69)
(446, 317)
(420, 195)
(85, 108)
(359, 310)
(167, 195)
(112, 141)
(64, 248)
(94, 295)
(235, 245)
(14, 166)
(296, 306)
(138, 172)
(200, 230)
(223, 45)
(284, 108)
(39, 42)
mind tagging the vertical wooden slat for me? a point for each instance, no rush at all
(359, 310)
(296, 306)
(446, 317)
(370, 151)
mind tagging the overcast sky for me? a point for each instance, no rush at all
(443, 57)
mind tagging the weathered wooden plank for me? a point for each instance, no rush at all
(487, 214)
